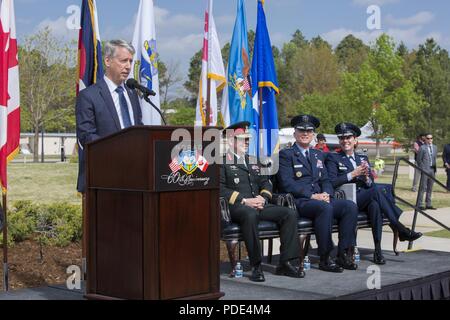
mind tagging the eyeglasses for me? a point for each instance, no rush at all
(430, 138)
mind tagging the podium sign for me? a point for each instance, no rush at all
(183, 167)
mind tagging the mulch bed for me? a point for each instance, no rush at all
(26, 270)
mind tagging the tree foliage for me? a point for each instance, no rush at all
(47, 84)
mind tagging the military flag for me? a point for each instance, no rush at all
(145, 61)
(212, 79)
(238, 99)
(264, 88)
(90, 65)
(9, 90)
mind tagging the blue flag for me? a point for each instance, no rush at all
(238, 75)
(264, 77)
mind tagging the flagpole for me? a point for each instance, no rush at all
(208, 103)
(208, 68)
(5, 247)
(260, 144)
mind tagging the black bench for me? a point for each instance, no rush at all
(232, 236)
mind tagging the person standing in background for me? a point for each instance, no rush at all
(426, 160)
(321, 143)
(420, 140)
(446, 159)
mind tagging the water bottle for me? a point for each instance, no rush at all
(239, 271)
(357, 256)
(306, 264)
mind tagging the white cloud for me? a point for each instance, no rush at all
(420, 18)
(336, 36)
(59, 29)
(412, 37)
(373, 2)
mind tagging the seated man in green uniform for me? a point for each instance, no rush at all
(248, 193)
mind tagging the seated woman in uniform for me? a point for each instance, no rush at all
(348, 167)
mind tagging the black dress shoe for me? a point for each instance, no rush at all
(301, 273)
(328, 265)
(287, 269)
(409, 235)
(431, 208)
(422, 208)
(346, 262)
(257, 274)
(378, 257)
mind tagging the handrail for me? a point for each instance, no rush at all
(415, 207)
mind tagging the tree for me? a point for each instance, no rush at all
(380, 93)
(318, 42)
(169, 76)
(431, 72)
(180, 112)
(329, 108)
(315, 69)
(298, 39)
(47, 82)
(351, 53)
(195, 69)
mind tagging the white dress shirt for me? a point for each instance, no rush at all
(115, 96)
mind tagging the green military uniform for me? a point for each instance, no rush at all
(241, 180)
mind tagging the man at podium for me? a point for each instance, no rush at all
(109, 105)
(248, 192)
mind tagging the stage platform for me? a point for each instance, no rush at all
(418, 275)
(413, 275)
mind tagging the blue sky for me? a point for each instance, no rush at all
(179, 22)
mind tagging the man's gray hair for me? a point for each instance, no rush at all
(112, 45)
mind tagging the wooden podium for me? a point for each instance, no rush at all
(153, 230)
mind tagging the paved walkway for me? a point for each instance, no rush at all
(423, 225)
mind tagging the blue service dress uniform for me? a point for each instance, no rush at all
(303, 178)
(375, 199)
(238, 181)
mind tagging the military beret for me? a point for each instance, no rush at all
(238, 130)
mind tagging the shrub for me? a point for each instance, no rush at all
(54, 224)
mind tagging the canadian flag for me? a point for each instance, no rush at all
(9, 89)
(202, 163)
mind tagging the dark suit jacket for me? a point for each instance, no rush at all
(96, 117)
(338, 166)
(446, 154)
(296, 177)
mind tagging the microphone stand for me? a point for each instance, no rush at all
(146, 98)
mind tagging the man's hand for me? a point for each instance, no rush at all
(255, 203)
(321, 197)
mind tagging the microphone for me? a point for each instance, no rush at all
(133, 84)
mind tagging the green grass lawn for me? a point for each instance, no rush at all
(440, 198)
(52, 182)
(43, 182)
(439, 234)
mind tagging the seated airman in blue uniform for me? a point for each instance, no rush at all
(348, 167)
(302, 173)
